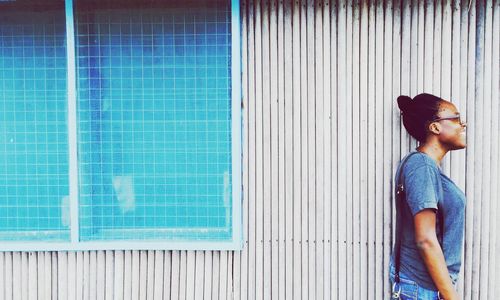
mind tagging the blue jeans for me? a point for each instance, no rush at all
(409, 289)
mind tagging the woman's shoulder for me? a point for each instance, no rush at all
(416, 160)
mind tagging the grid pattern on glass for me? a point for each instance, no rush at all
(33, 134)
(154, 112)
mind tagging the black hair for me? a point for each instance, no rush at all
(418, 112)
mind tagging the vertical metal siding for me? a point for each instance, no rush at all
(322, 139)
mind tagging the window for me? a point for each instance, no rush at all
(120, 125)
(33, 133)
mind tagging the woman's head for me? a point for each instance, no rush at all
(427, 116)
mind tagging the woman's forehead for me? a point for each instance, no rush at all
(448, 107)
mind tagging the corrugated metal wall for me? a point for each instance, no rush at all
(322, 138)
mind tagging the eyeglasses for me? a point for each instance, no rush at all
(456, 117)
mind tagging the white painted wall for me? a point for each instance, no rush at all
(322, 139)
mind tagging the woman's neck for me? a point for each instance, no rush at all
(434, 151)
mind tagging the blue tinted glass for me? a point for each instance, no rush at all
(33, 135)
(154, 112)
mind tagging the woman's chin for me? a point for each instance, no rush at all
(461, 146)
(463, 140)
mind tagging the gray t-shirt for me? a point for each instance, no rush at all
(426, 186)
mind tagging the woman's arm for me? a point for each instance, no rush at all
(431, 252)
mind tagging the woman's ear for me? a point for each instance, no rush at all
(435, 128)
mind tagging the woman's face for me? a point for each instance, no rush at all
(453, 130)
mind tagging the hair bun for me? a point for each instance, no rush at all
(404, 102)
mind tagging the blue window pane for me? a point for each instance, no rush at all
(154, 121)
(33, 136)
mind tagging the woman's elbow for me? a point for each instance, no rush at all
(426, 242)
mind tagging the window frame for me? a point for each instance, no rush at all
(236, 242)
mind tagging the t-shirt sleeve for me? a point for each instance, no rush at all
(422, 188)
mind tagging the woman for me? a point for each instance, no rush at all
(431, 211)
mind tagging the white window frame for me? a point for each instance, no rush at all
(236, 242)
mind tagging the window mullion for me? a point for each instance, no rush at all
(72, 121)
